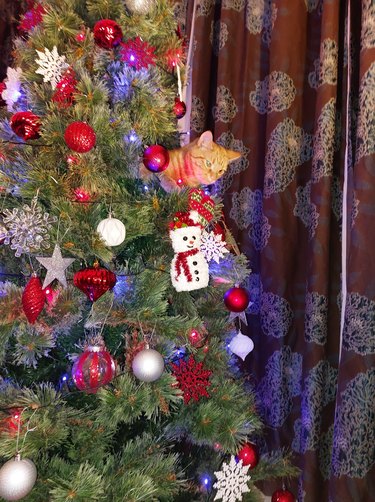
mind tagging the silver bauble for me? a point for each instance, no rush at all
(148, 365)
(17, 478)
(241, 345)
(140, 6)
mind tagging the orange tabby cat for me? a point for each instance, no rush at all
(201, 162)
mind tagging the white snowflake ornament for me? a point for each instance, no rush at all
(12, 92)
(212, 246)
(232, 481)
(51, 66)
(27, 228)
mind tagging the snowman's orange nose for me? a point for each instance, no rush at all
(191, 242)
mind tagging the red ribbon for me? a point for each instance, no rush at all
(182, 264)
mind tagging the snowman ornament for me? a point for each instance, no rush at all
(189, 268)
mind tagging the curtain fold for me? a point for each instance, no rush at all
(288, 85)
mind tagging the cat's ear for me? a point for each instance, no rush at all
(206, 140)
(232, 155)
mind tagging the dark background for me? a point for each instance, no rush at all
(10, 11)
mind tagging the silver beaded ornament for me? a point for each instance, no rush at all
(141, 7)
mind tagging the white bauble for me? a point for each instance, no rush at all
(17, 478)
(112, 231)
(148, 365)
(241, 345)
(140, 6)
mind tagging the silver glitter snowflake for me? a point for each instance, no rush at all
(212, 246)
(27, 228)
(51, 66)
(232, 481)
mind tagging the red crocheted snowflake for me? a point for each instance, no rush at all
(137, 53)
(192, 379)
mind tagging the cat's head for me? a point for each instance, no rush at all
(209, 159)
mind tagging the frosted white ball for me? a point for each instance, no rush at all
(17, 478)
(148, 365)
(140, 6)
(112, 231)
(241, 345)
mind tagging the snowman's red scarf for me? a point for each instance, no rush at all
(182, 264)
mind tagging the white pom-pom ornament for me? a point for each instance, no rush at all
(17, 478)
(241, 345)
(148, 365)
(112, 231)
(140, 6)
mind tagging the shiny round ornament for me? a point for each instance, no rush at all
(17, 478)
(94, 281)
(179, 108)
(33, 299)
(107, 34)
(80, 137)
(249, 455)
(141, 7)
(236, 299)
(93, 369)
(283, 496)
(241, 345)
(148, 365)
(26, 125)
(156, 158)
(112, 231)
(197, 339)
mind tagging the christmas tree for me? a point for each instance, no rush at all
(119, 375)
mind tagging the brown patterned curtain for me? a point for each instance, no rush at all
(291, 84)
(10, 11)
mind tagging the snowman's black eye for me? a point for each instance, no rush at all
(184, 238)
(194, 237)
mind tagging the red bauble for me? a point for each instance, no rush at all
(156, 158)
(26, 125)
(179, 108)
(197, 339)
(94, 281)
(236, 299)
(80, 137)
(283, 496)
(107, 34)
(33, 299)
(249, 455)
(94, 368)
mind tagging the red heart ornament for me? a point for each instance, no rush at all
(203, 204)
(94, 281)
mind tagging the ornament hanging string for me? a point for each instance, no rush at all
(28, 429)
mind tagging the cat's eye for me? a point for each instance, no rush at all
(208, 163)
(184, 238)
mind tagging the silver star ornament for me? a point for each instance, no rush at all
(56, 266)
